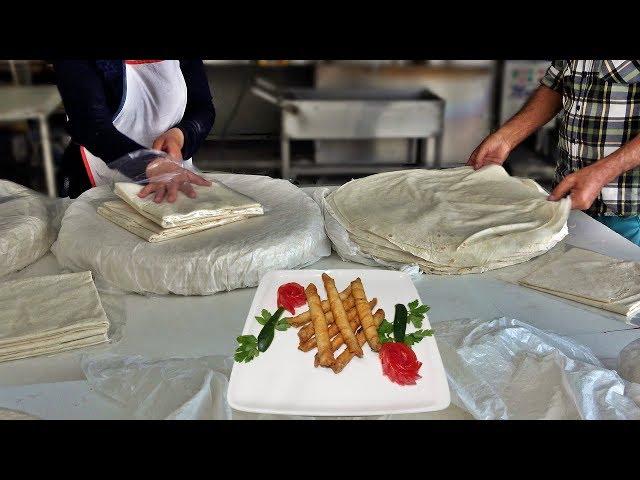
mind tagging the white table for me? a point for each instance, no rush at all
(171, 326)
(33, 102)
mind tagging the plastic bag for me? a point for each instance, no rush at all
(289, 235)
(507, 369)
(28, 222)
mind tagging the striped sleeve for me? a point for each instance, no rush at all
(553, 77)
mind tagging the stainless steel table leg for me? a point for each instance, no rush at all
(285, 156)
(424, 151)
(437, 154)
(47, 156)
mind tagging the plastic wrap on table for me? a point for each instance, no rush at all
(506, 369)
(28, 225)
(290, 235)
(171, 389)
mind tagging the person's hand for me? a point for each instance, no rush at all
(584, 185)
(167, 177)
(493, 150)
(170, 142)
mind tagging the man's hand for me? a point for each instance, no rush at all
(493, 150)
(170, 142)
(584, 185)
(166, 177)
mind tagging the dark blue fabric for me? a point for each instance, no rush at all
(92, 93)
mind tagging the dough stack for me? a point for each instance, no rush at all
(592, 279)
(50, 314)
(451, 221)
(156, 222)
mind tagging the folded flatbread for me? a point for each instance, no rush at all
(123, 215)
(216, 201)
(592, 279)
(50, 314)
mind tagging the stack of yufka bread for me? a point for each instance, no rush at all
(213, 206)
(343, 318)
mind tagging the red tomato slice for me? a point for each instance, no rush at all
(399, 363)
(290, 296)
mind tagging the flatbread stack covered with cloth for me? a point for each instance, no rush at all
(451, 221)
(26, 232)
(213, 206)
(591, 279)
(50, 314)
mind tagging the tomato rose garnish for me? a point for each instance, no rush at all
(399, 363)
(290, 296)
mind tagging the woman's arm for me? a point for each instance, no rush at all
(200, 113)
(90, 119)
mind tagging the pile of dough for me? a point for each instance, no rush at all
(217, 201)
(26, 233)
(122, 214)
(450, 221)
(50, 314)
(592, 279)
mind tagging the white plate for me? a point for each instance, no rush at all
(284, 381)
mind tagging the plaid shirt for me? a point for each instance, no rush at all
(601, 112)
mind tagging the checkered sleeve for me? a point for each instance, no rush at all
(553, 77)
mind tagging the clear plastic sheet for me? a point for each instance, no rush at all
(28, 222)
(506, 369)
(172, 389)
(289, 235)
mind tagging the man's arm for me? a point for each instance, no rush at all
(542, 106)
(584, 185)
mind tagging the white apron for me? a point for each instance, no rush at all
(154, 100)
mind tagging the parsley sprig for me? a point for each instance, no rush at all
(416, 313)
(247, 348)
(416, 316)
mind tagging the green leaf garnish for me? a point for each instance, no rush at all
(416, 313)
(385, 331)
(264, 317)
(282, 324)
(416, 336)
(247, 348)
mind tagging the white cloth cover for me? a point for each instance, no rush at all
(215, 201)
(26, 232)
(289, 235)
(123, 215)
(449, 221)
(507, 369)
(50, 314)
(592, 279)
